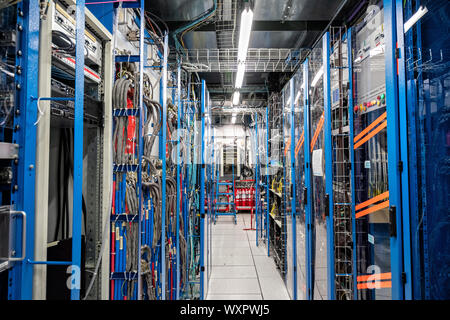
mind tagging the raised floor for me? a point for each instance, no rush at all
(240, 269)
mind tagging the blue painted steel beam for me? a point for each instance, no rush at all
(328, 165)
(267, 183)
(163, 150)
(307, 155)
(140, 137)
(395, 200)
(21, 274)
(78, 149)
(403, 143)
(178, 178)
(294, 187)
(202, 192)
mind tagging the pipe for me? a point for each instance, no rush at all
(203, 17)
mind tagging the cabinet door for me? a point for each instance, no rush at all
(372, 222)
(427, 85)
(300, 185)
(317, 149)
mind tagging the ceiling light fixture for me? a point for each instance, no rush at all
(244, 39)
(244, 33)
(236, 97)
(240, 75)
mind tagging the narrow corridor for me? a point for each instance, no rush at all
(240, 269)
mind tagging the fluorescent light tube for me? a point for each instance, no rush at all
(240, 75)
(236, 97)
(317, 77)
(297, 97)
(244, 33)
(416, 17)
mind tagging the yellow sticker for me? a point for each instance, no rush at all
(121, 243)
(117, 234)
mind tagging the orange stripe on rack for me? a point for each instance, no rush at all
(370, 127)
(288, 144)
(376, 285)
(371, 135)
(372, 209)
(378, 276)
(373, 200)
(318, 129)
(299, 144)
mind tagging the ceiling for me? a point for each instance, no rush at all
(274, 26)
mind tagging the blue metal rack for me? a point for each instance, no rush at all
(293, 191)
(423, 64)
(24, 134)
(329, 168)
(230, 204)
(352, 154)
(119, 217)
(202, 191)
(393, 134)
(307, 157)
(267, 182)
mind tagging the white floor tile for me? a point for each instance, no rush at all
(261, 250)
(228, 231)
(273, 288)
(230, 237)
(265, 266)
(243, 251)
(239, 266)
(229, 272)
(233, 286)
(227, 243)
(232, 260)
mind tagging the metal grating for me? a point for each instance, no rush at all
(225, 23)
(343, 242)
(258, 60)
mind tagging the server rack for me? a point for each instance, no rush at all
(370, 158)
(376, 158)
(277, 216)
(300, 194)
(20, 24)
(261, 185)
(127, 219)
(289, 186)
(320, 198)
(341, 165)
(424, 84)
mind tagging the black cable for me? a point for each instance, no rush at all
(158, 18)
(59, 39)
